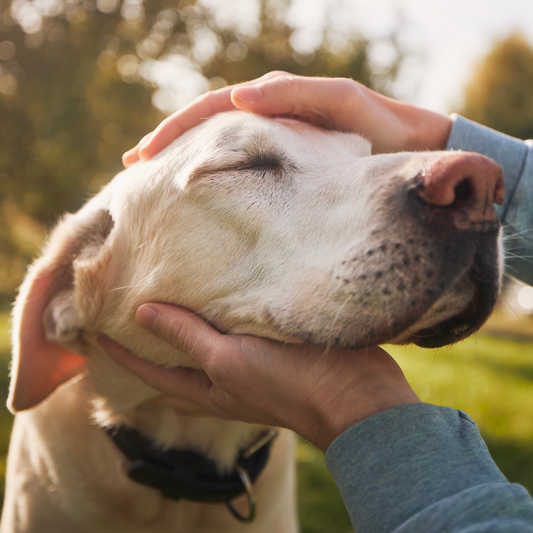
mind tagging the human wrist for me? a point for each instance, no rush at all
(330, 420)
(427, 130)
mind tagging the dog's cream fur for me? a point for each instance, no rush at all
(267, 227)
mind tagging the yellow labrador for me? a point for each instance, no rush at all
(266, 227)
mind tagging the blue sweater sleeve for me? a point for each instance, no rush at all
(422, 468)
(516, 159)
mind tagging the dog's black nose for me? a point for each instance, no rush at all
(463, 187)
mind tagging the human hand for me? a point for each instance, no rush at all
(317, 393)
(333, 103)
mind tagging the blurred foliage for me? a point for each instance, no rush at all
(78, 79)
(500, 93)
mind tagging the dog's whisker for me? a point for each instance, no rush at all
(511, 249)
(517, 236)
(511, 270)
(524, 257)
(512, 226)
(511, 308)
(121, 288)
(138, 284)
(518, 255)
(341, 308)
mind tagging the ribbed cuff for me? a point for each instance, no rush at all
(397, 463)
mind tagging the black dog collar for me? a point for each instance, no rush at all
(189, 475)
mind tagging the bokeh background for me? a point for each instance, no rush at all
(81, 81)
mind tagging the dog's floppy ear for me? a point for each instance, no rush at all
(60, 296)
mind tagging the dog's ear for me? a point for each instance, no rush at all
(61, 294)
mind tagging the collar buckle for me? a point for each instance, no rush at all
(248, 487)
(264, 439)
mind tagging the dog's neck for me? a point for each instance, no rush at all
(116, 397)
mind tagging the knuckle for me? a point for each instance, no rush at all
(211, 368)
(166, 125)
(217, 362)
(208, 101)
(175, 332)
(276, 73)
(347, 85)
(209, 95)
(289, 84)
(215, 367)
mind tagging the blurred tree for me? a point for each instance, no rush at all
(500, 94)
(79, 79)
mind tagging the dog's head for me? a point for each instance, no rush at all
(266, 227)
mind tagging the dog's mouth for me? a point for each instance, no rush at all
(466, 321)
(428, 295)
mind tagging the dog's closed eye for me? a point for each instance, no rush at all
(276, 164)
(271, 162)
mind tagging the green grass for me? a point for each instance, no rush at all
(320, 506)
(6, 418)
(491, 378)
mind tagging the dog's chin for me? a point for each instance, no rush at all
(455, 314)
(466, 321)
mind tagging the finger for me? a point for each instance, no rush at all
(195, 113)
(314, 99)
(132, 156)
(186, 383)
(185, 331)
(186, 118)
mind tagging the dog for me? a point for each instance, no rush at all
(268, 227)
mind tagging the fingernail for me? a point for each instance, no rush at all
(147, 316)
(248, 94)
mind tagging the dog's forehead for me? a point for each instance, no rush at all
(244, 132)
(238, 131)
(224, 142)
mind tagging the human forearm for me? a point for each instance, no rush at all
(423, 468)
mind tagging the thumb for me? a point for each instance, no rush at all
(184, 331)
(314, 99)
